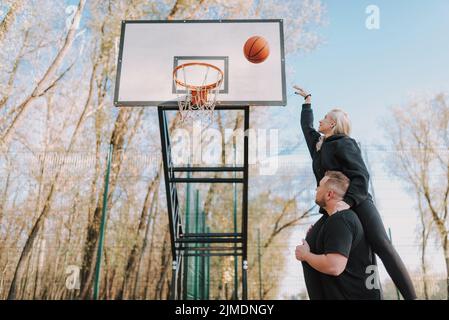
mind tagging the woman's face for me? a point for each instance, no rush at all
(326, 125)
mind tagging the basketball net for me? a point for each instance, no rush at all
(197, 101)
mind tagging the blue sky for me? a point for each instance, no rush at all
(366, 72)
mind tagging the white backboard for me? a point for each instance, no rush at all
(149, 51)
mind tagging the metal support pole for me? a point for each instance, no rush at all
(186, 279)
(165, 142)
(166, 152)
(174, 271)
(197, 274)
(102, 226)
(245, 205)
(234, 217)
(259, 258)
(207, 271)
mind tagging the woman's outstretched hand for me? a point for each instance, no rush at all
(303, 93)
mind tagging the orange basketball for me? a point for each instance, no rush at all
(256, 49)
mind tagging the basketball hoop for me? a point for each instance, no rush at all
(197, 96)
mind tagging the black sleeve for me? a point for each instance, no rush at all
(337, 236)
(354, 168)
(310, 134)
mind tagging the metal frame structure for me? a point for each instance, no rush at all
(201, 244)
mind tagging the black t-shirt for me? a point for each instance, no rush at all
(311, 276)
(343, 233)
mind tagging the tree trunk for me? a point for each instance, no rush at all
(165, 260)
(151, 222)
(3, 199)
(21, 265)
(424, 270)
(24, 281)
(39, 265)
(150, 251)
(136, 249)
(424, 238)
(88, 265)
(446, 260)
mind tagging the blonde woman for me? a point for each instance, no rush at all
(332, 148)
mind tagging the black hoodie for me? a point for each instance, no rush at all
(339, 153)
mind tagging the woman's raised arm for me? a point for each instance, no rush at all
(310, 134)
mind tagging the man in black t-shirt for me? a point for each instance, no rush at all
(341, 253)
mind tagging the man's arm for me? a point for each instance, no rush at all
(337, 247)
(332, 264)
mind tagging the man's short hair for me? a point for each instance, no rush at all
(337, 182)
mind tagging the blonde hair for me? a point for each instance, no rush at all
(342, 122)
(337, 182)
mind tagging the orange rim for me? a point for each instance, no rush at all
(197, 88)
